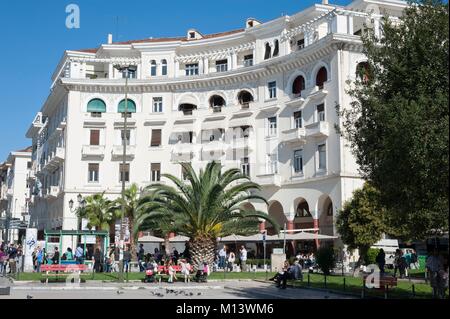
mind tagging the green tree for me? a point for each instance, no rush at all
(205, 206)
(398, 124)
(326, 259)
(361, 222)
(100, 213)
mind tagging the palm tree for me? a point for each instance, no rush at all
(130, 206)
(205, 207)
(100, 213)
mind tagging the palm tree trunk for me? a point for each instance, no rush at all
(132, 239)
(202, 250)
(167, 245)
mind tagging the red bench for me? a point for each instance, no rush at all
(53, 270)
(165, 270)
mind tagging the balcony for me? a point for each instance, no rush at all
(296, 100)
(272, 108)
(269, 180)
(317, 94)
(215, 146)
(182, 152)
(117, 151)
(318, 129)
(241, 143)
(31, 176)
(89, 151)
(295, 136)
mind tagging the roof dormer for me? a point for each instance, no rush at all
(193, 34)
(251, 22)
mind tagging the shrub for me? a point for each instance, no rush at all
(371, 256)
(326, 259)
(258, 262)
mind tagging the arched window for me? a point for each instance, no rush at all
(322, 77)
(303, 210)
(128, 105)
(96, 106)
(153, 68)
(245, 97)
(164, 67)
(276, 49)
(268, 52)
(363, 71)
(330, 209)
(299, 85)
(216, 101)
(187, 108)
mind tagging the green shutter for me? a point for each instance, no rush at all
(131, 106)
(96, 105)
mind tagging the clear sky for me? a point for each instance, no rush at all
(33, 37)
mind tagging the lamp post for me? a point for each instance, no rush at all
(125, 70)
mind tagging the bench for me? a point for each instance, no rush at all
(165, 270)
(386, 282)
(54, 270)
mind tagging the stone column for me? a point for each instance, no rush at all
(316, 225)
(177, 68)
(205, 66)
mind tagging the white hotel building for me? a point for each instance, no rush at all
(262, 99)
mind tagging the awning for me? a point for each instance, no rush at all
(150, 239)
(259, 238)
(96, 105)
(130, 106)
(188, 99)
(179, 239)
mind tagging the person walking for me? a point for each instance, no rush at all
(39, 259)
(243, 258)
(396, 261)
(222, 257)
(3, 258)
(381, 260)
(435, 269)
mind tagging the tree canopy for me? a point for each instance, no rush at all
(398, 124)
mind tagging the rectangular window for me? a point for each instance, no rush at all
(29, 165)
(272, 164)
(191, 69)
(300, 44)
(298, 119)
(156, 138)
(321, 113)
(183, 173)
(272, 86)
(96, 114)
(124, 172)
(248, 60)
(93, 171)
(131, 74)
(272, 126)
(155, 172)
(245, 166)
(298, 161)
(164, 69)
(125, 137)
(157, 105)
(322, 150)
(95, 137)
(222, 66)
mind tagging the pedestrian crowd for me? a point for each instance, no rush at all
(11, 259)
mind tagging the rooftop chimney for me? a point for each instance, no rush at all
(110, 38)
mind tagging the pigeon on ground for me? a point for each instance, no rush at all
(29, 297)
(199, 294)
(191, 294)
(120, 292)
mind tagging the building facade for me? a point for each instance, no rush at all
(15, 174)
(262, 99)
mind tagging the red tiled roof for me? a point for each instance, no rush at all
(29, 149)
(184, 39)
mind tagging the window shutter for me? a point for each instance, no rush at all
(95, 137)
(156, 138)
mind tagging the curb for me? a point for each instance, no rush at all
(75, 287)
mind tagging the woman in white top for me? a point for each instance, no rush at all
(231, 260)
(185, 270)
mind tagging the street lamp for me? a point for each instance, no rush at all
(126, 70)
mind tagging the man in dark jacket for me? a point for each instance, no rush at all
(140, 256)
(55, 258)
(381, 260)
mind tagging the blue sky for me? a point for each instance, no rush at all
(34, 36)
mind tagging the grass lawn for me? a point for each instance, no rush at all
(354, 285)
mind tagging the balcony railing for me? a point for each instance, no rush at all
(93, 151)
(295, 135)
(269, 180)
(318, 129)
(117, 151)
